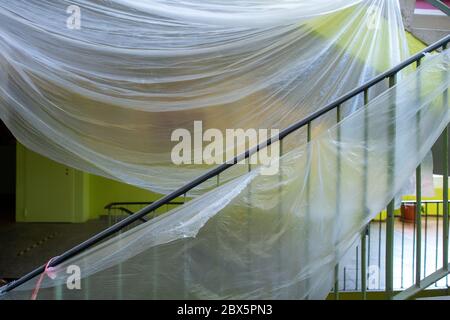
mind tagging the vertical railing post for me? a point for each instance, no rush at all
(109, 217)
(120, 277)
(403, 250)
(249, 226)
(281, 253)
(445, 183)
(336, 282)
(389, 268)
(418, 226)
(425, 245)
(218, 261)
(155, 262)
(357, 267)
(308, 196)
(338, 196)
(390, 249)
(364, 263)
(308, 132)
(418, 213)
(445, 221)
(445, 261)
(364, 200)
(445, 226)
(436, 245)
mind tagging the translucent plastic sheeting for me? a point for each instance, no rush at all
(427, 185)
(104, 93)
(280, 236)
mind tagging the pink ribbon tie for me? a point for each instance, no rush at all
(50, 272)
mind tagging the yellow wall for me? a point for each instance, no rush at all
(47, 191)
(104, 191)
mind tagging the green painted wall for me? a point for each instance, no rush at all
(47, 191)
(414, 44)
(104, 191)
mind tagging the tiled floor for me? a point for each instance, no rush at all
(25, 246)
(404, 256)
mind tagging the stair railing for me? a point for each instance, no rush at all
(215, 173)
(440, 6)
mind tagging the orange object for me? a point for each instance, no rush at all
(408, 211)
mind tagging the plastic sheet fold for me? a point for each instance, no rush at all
(103, 91)
(279, 236)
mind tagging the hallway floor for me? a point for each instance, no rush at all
(25, 246)
(404, 256)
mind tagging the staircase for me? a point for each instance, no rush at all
(428, 20)
(390, 77)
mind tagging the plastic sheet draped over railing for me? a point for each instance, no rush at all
(103, 94)
(274, 237)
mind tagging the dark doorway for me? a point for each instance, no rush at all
(7, 174)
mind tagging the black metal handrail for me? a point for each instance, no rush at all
(129, 212)
(113, 204)
(221, 168)
(119, 206)
(432, 201)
